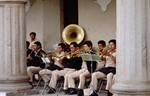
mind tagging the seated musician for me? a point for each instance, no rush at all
(56, 65)
(101, 53)
(110, 67)
(91, 67)
(69, 84)
(70, 65)
(111, 79)
(35, 62)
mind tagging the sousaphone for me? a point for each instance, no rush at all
(73, 33)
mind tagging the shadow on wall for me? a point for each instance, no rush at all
(32, 2)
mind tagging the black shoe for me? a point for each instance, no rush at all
(31, 83)
(72, 91)
(66, 91)
(109, 93)
(80, 92)
(94, 94)
(51, 90)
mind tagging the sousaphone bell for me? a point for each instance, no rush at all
(73, 33)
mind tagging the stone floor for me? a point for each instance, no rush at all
(39, 92)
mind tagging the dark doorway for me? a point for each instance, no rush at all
(70, 12)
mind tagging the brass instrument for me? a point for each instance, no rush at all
(57, 58)
(102, 53)
(73, 54)
(73, 33)
(110, 51)
(49, 55)
(54, 55)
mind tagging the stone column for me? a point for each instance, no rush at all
(12, 45)
(133, 48)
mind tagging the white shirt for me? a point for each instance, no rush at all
(109, 61)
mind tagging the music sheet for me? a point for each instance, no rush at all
(46, 60)
(90, 57)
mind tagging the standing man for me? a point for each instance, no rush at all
(33, 39)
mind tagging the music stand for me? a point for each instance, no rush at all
(46, 61)
(90, 57)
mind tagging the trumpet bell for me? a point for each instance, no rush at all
(73, 33)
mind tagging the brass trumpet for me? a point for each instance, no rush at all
(73, 54)
(56, 56)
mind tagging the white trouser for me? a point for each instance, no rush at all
(31, 70)
(100, 75)
(57, 73)
(109, 81)
(45, 74)
(82, 78)
(94, 80)
(70, 82)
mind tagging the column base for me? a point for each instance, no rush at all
(9, 87)
(14, 83)
(14, 86)
(131, 89)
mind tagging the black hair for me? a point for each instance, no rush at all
(33, 33)
(38, 44)
(88, 43)
(113, 41)
(62, 45)
(102, 42)
(74, 44)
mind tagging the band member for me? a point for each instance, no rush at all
(111, 79)
(57, 57)
(110, 67)
(35, 62)
(33, 39)
(71, 63)
(69, 84)
(101, 52)
(90, 65)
